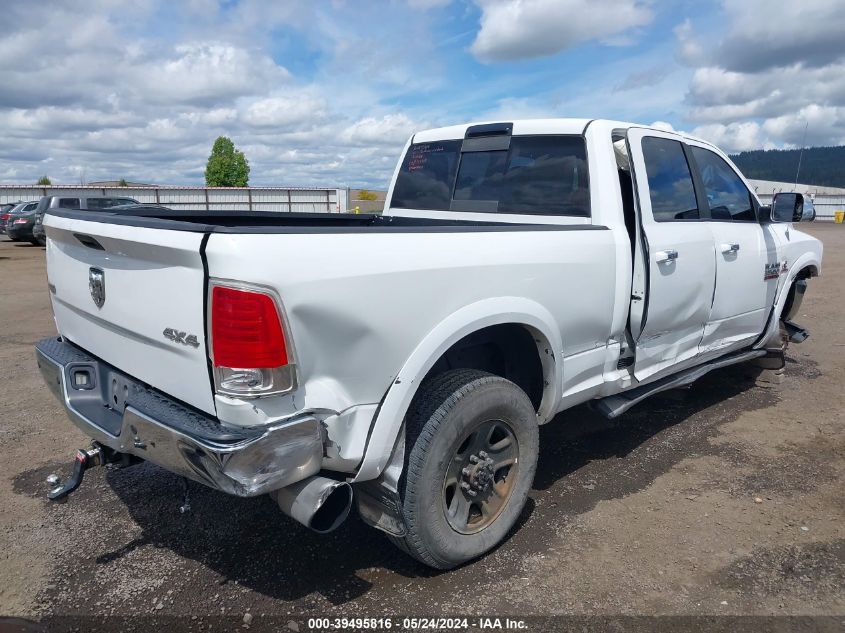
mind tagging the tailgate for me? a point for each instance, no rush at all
(150, 323)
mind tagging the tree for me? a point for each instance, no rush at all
(366, 194)
(122, 183)
(227, 166)
(44, 181)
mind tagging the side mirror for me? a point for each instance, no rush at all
(787, 207)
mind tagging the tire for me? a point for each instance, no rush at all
(456, 416)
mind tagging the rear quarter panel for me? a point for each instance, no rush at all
(359, 304)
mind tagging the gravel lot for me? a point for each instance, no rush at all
(726, 499)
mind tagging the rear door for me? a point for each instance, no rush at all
(676, 254)
(117, 289)
(744, 288)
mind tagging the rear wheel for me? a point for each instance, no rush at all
(472, 445)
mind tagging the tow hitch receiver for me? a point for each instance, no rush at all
(96, 455)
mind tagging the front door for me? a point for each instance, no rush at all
(745, 285)
(676, 255)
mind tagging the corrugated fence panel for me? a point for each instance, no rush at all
(24, 194)
(147, 196)
(182, 198)
(310, 201)
(279, 199)
(270, 200)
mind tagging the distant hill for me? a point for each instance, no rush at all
(822, 166)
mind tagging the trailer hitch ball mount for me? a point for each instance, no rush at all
(95, 455)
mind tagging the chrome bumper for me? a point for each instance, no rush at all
(127, 416)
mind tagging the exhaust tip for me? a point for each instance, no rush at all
(334, 509)
(318, 503)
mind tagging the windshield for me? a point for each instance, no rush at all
(521, 174)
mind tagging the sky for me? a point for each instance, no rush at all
(327, 92)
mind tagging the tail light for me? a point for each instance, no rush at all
(5, 216)
(249, 348)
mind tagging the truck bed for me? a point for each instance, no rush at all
(361, 293)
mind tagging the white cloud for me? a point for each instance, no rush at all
(734, 137)
(663, 125)
(121, 101)
(521, 29)
(285, 112)
(771, 33)
(825, 125)
(764, 80)
(208, 73)
(390, 129)
(690, 50)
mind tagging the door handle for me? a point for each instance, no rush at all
(730, 248)
(669, 255)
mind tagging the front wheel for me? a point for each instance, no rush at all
(472, 445)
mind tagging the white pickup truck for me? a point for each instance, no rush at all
(404, 361)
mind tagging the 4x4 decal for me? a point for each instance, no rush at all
(181, 337)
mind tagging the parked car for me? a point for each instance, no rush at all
(75, 202)
(408, 358)
(5, 210)
(21, 221)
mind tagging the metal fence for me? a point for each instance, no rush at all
(281, 199)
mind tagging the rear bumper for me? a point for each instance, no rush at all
(19, 231)
(129, 417)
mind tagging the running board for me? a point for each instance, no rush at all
(615, 405)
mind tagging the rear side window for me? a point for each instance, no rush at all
(727, 195)
(534, 175)
(426, 176)
(670, 184)
(105, 203)
(100, 203)
(69, 203)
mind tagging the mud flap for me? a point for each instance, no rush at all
(378, 500)
(796, 333)
(380, 507)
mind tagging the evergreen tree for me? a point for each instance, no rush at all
(821, 166)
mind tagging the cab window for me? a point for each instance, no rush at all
(69, 203)
(727, 196)
(529, 175)
(670, 183)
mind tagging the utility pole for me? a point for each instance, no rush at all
(801, 154)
